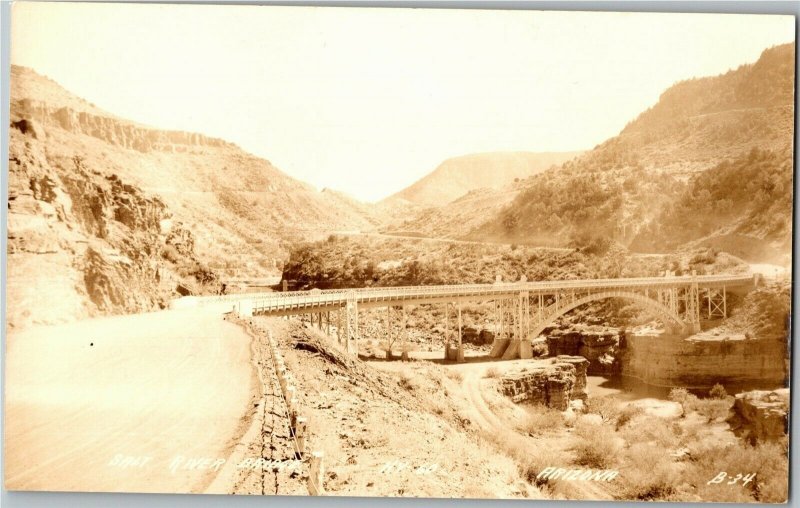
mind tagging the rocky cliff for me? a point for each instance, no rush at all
(35, 115)
(109, 215)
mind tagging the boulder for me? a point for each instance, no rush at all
(760, 415)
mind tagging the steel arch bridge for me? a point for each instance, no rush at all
(522, 310)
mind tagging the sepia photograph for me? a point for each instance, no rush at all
(394, 252)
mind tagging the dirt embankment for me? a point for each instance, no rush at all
(390, 434)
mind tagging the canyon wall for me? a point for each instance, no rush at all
(671, 360)
(597, 346)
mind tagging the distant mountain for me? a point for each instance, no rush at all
(456, 177)
(113, 216)
(655, 179)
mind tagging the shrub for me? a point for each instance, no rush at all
(597, 445)
(608, 408)
(454, 375)
(408, 382)
(535, 461)
(714, 409)
(628, 413)
(650, 473)
(543, 419)
(649, 429)
(718, 392)
(492, 372)
(769, 462)
(678, 395)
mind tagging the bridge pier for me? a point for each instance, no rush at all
(328, 323)
(404, 335)
(351, 323)
(453, 352)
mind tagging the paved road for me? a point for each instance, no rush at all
(79, 397)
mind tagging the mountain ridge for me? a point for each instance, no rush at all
(457, 176)
(623, 188)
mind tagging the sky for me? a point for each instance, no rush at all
(368, 100)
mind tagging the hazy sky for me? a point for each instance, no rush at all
(369, 100)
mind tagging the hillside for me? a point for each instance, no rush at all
(625, 188)
(459, 175)
(108, 215)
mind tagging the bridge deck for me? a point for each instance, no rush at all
(297, 302)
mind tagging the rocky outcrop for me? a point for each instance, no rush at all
(599, 346)
(760, 415)
(553, 385)
(581, 366)
(86, 236)
(32, 114)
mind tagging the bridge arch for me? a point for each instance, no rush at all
(554, 312)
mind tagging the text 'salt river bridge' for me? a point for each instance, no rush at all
(522, 309)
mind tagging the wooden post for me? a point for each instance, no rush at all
(446, 331)
(316, 474)
(300, 435)
(388, 332)
(404, 333)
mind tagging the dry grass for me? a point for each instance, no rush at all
(492, 372)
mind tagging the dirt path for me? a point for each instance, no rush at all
(493, 423)
(111, 404)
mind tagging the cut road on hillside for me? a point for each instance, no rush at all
(124, 403)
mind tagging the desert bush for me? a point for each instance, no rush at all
(492, 372)
(454, 375)
(407, 381)
(608, 408)
(649, 473)
(542, 419)
(627, 414)
(714, 409)
(537, 460)
(649, 429)
(769, 462)
(678, 395)
(689, 403)
(718, 392)
(597, 445)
